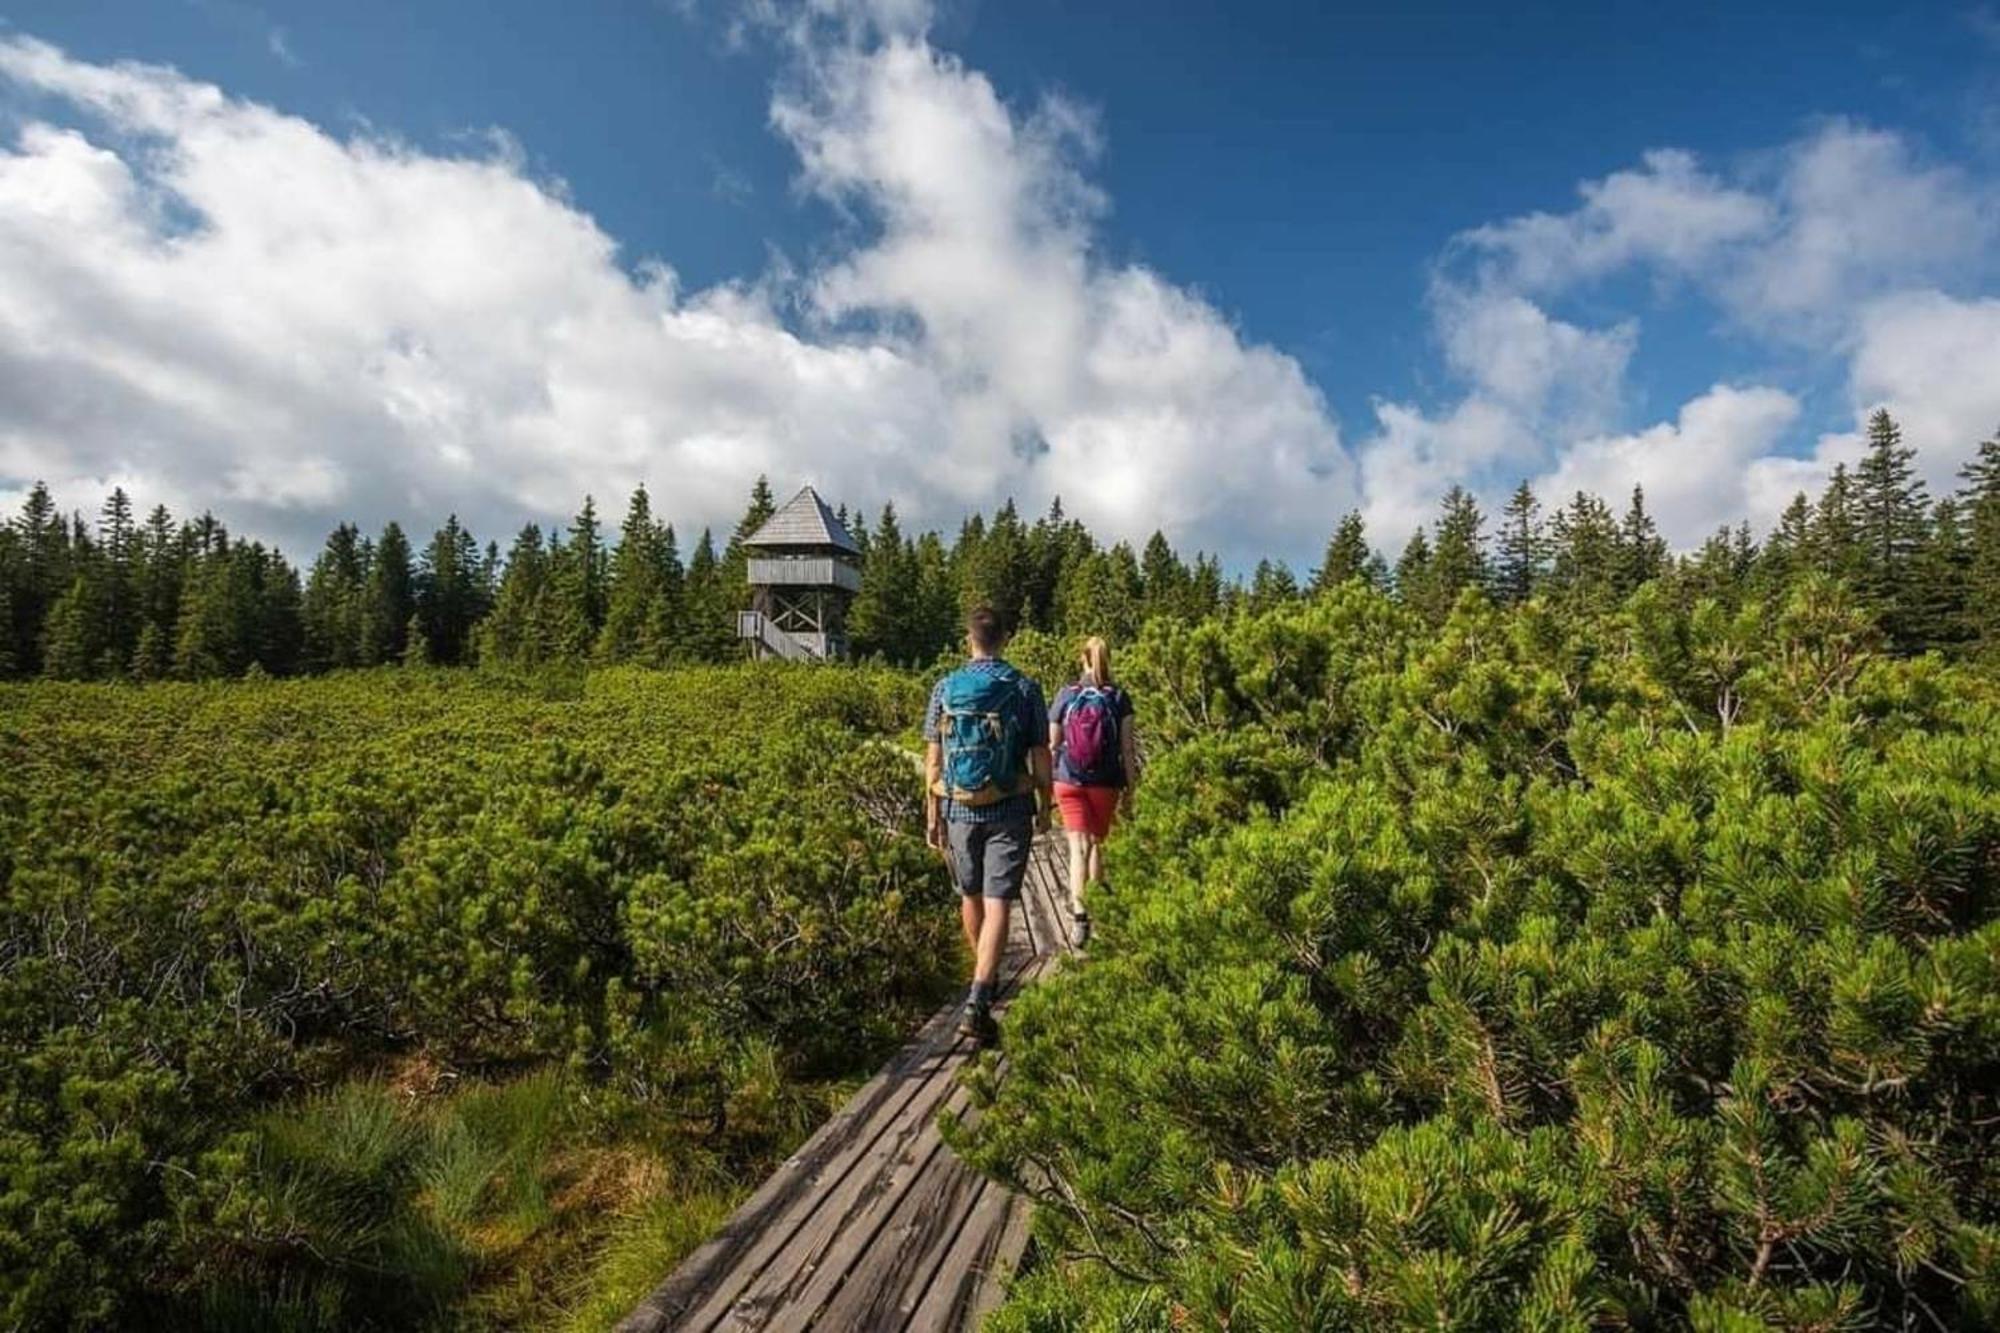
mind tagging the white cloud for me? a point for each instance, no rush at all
(1825, 247)
(1667, 212)
(1795, 247)
(1934, 363)
(224, 304)
(1695, 469)
(1862, 217)
(1148, 405)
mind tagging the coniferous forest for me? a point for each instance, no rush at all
(155, 599)
(1536, 927)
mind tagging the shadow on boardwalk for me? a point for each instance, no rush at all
(873, 1224)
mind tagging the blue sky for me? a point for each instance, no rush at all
(1298, 172)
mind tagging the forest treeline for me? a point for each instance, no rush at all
(160, 598)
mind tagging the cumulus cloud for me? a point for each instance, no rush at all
(221, 304)
(1795, 247)
(1694, 469)
(1933, 361)
(213, 302)
(1828, 246)
(1668, 211)
(1132, 396)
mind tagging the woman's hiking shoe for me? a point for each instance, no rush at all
(1079, 929)
(977, 1023)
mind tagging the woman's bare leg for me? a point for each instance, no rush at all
(1079, 867)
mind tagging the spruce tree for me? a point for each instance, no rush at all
(1642, 553)
(332, 608)
(416, 643)
(72, 638)
(1415, 587)
(1834, 546)
(276, 639)
(1979, 509)
(1584, 555)
(153, 658)
(1347, 556)
(728, 590)
(450, 594)
(9, 662)
(1788, 552)
(1042, 565)
(882, 620)
(581, 576)
(1891, 521)
(995, 571)
(1164, 577)
(757, 513)
(44, 572)
(635, 577)
(1272, 584)
(664, 637)
(937, 592)
(1458, 555)
(389, 600)
(1932, 612)
(711, 629)
(1524, 547)
(117, 572)
(1103, 594)
(514, 634)
(162, 565)
(202, 640)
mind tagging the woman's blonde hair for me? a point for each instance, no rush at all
(1097, 661)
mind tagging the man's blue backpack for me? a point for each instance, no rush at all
(979, 730)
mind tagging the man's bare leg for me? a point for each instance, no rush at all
(992, 941)
(971, 910)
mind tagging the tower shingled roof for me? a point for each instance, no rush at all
(804, 520)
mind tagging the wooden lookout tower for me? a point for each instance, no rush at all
(804, 570)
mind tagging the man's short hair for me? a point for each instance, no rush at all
(983, 627)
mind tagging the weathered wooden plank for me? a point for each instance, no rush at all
(804, 1271)
(745, 1242)
(873, 1219)
(776, 1276)
(805, 1293)
(976, 1259)
(817, 1260)
(762, 1220)
(1044, 900)
(1005, 1260)
(936, 1246)
(825, 1180)
(899, 1260)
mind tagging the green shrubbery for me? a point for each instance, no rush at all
(1545, 970)
(685, 898)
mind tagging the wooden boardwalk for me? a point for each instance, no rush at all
(873, 1224)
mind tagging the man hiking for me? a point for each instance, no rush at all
(986, 769)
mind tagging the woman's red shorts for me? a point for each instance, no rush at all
(1087, 809)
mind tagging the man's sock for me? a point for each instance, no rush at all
(980, 996)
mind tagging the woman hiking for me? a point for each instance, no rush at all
(1091, 733)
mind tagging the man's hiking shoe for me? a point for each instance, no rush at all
(978, 1024)
(1079, 929)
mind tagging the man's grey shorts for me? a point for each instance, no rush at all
(990, 860)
